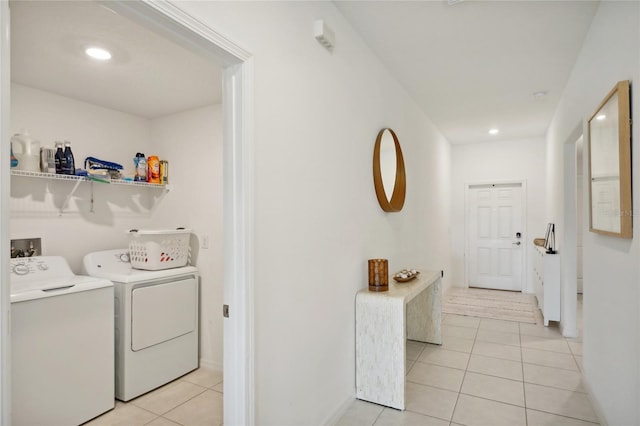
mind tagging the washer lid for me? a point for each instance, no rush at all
(114, 265)
(47, 276)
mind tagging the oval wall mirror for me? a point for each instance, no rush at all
(389, 176)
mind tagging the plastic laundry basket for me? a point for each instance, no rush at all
(159, 249)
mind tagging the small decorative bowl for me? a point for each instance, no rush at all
(405, 275)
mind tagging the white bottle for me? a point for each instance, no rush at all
(26, 150)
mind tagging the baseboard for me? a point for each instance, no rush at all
(208, 364)
(594, 403)
(337, 414)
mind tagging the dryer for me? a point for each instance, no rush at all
(156, 321)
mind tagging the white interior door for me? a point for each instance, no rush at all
(579, 208)
(495, 237)
(579, 218)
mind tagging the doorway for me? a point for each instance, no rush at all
(573, 218)
(494, 237)
(171, 22)
(579, 210)
(580, 225)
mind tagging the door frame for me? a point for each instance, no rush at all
(569, 240)
(523, 195)
(238, 194)
(5, 194)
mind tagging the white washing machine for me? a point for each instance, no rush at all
(156, 321)
(62, 360)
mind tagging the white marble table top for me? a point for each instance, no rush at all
(408, 290)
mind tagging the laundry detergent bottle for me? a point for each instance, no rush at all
(61, 161)
(153, 174)
(141, 167)
(69, 162)
(26, 150)
(14, 160)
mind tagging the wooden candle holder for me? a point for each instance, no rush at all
(378, 275)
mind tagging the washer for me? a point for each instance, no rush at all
(156, 321)
(62, 343)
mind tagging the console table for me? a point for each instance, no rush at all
(384, 322)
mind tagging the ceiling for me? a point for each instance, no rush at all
(475, 65)
(471, 66)
(148, 75)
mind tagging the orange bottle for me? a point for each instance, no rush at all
(153, 162)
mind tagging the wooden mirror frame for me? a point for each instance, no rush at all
(624, 163)
(396, 202)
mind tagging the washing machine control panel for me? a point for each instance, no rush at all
(43, 266)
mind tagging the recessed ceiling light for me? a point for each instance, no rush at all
(98, 53)
(494, 131)
(601, 117)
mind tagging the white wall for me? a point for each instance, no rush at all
(503, 161)
(191, 141)
(611, 299)
(92, 130)
(317, 220)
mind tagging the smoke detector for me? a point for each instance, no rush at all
(539, 95)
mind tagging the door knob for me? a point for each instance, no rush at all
(516, 243)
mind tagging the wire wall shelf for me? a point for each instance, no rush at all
(54, 176)
(82, 179)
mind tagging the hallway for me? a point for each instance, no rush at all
(489, 372)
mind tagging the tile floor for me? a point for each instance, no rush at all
(486, 373)
(192, 400)
(490, 373)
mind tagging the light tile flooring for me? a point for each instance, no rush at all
(489, 372)
(192, 400)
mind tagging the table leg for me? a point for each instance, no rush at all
(424, 315)
(380, 350)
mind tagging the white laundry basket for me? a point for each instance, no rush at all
(153, 250)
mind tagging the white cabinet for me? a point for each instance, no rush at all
(546, 271)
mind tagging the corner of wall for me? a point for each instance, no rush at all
(340, 411)
(595, 404)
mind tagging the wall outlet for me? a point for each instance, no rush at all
(205, 242)
(26, 247)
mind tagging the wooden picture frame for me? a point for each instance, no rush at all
(609, 165)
